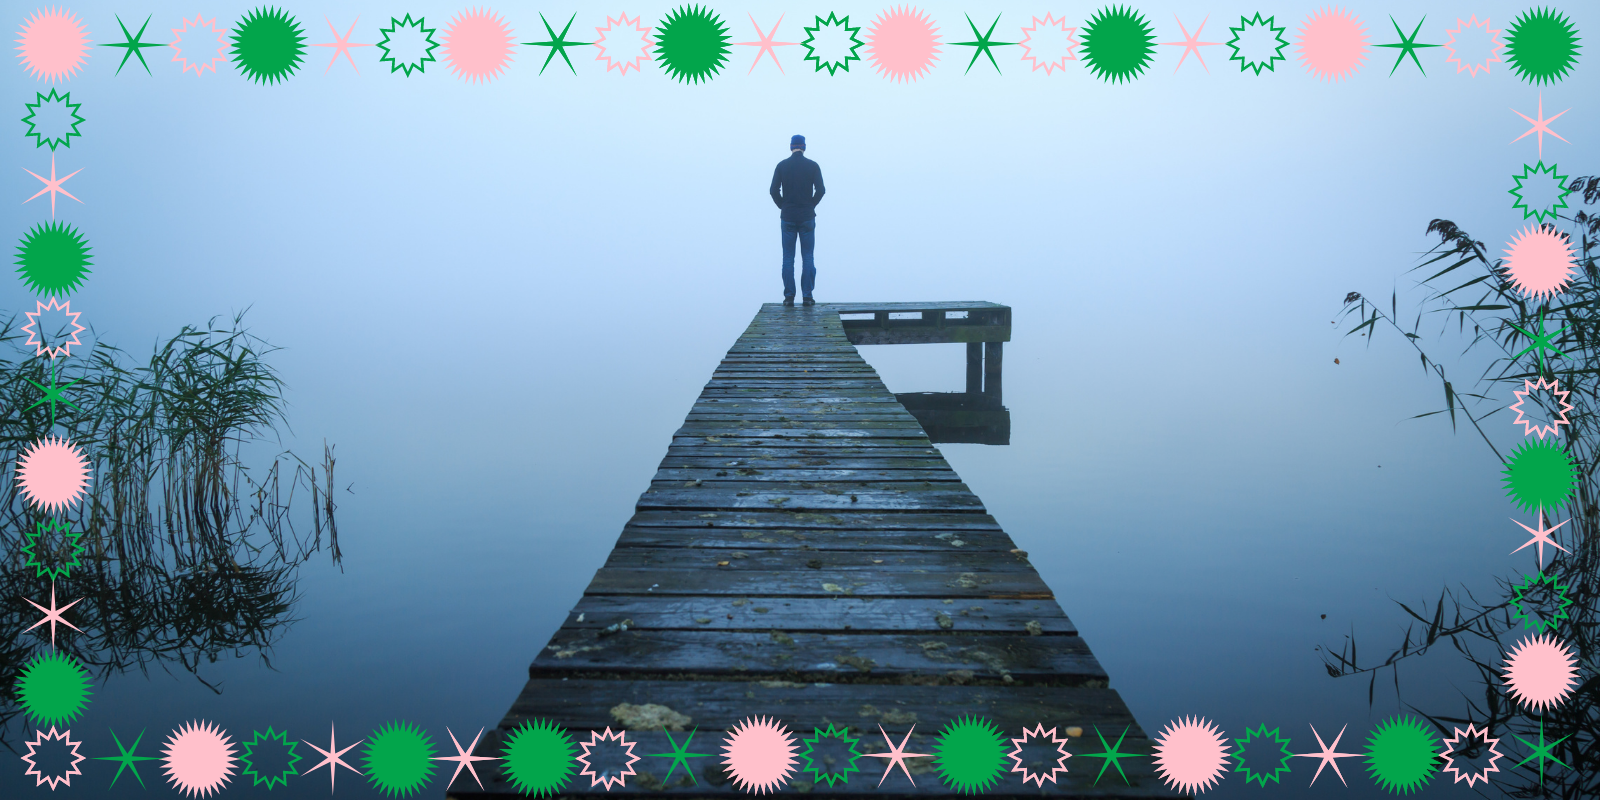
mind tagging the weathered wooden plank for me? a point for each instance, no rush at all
(814, 614)
(872, 540)
(788, 459)
(943, 561)
(709, 495)
(1017, 585)
(798, 520)
(832, 476)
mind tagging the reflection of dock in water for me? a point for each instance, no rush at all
(805, 554)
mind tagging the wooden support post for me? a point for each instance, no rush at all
(991, 371)
(974, 368)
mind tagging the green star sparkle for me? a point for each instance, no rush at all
(819, 774)
(40, 539)
(692, 44)
(52, 394)
(1530, 585)
(267, 45)
(1540, 342)
(969, 754)
(1257, 21)
(1111, 754)
(1407, 45)
(1542, 46)
(53, 689)
(1402, 754)
(134, 45)
(1541, 751)
(67, 107)
(53, 258)
(557, 44)
(539, 756)
(127, 758)
(1543, 211)
(1264, 776)
(1540, 477)
(280, 778)
(399, 759)
(836, 23)
(1117, 44)
(983, 44)
(681, 755)
(396, 25)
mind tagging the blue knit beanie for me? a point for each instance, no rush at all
(797, 142)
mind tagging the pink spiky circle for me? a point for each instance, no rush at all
(199, 759)
(1332, 44)
(478, 45)
(53, 44)
(1539, 261)
(1190, 754)
(759, 754)
(1540, 672)
(903, 43)
(52, 473)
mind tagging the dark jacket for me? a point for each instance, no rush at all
(797, 187)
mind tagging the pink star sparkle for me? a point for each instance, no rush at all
(1050, 64)
(200, 25)
(766, 44)
(332, 758)
(52, 614)
(343, 44)
(464, 758)
(898, 755)
(621, 738)
(1191, 44)
(1494, 49)
(1470, 734)
(33, 328)
(604, 44)
(1541, 537)
(1541, 126)
(53, 780)
(1554, 388)
(53, 184)
(1038, 732)
(1327, 755)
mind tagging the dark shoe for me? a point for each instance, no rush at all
(788, 301)
(810, 302)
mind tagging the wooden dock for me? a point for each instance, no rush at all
(804, 553)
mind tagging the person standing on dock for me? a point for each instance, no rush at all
(797, 189)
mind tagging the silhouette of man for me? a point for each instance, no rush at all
(797, 189)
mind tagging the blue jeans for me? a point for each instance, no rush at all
(807, 231)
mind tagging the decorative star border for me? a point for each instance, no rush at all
(830, 21)
(1552, 210)
(1245, 23)
(1529, 584)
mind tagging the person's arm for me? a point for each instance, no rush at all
(820, 189)
(777, 183)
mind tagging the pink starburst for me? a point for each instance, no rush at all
(1541, 538)
(342, 44)
(33, 750)
(759, 754)
(478, 45)
(1494, 46)
(1191, 44)
(1055, 25)
(199, 759)
(53, 614)
(1540, 672)
(897, 755)
(623, 43)
(766, 44)
(1541, 126)
(333, 758)
(33, 328)
(1038, 732)
(52, 473)
(620, 737)
(1330, 757)
(1333, 44)
(903, 43)
(201, 27)
(1554, 388)
(1539, 261)
(1466, 737)
(52, 185)
(1190, 754)
(53, 44)
(464, 758)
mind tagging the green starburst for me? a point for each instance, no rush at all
(1542, 46)
(133, 44)
(126, 758)
(969, 754)
(692, 43)
(557, 44)
(1111, 754)
(53, 688)
(1558, 592)
(59, 566)
(838, 64)
(1542, 211)
(66, 106)
(539, 757)
(267, 45)
(1541, 751)
(1246, 23)
(399, 759)
(1117, 43)
(1402, 754)
(270, 778)
(1264, 776)
(1540, 476)
(53, 258)
(1407, 46)
(984, 46)
(420, 64)
(1539, 341)
(819, 774)
(54, 393)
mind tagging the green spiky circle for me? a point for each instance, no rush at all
(53, 259)
(820, 774)
(57, 568)
(539, 757)
(1118, 44)
(692, 43)
(1557, 590)
(1542, 46)
(1540, 477)
(969, 754)
(267, 45)
(399, 759)
(1266, 774)
(53, 688)
(1402, 754)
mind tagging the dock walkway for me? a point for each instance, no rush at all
(805, 554)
